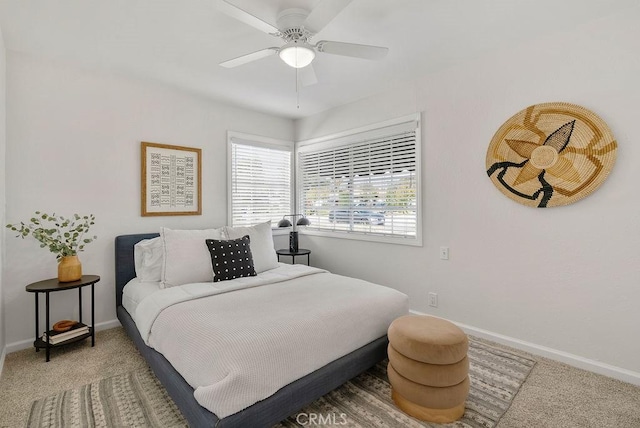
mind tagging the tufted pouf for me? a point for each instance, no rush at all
(429, 374)
(428, 367)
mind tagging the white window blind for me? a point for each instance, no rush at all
(363, 184)
(260, 182)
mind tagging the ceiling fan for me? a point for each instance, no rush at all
(296, 27)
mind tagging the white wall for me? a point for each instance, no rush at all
(3, 145)
(564, 278)
(73, 145)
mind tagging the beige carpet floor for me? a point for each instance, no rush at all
(555, 395)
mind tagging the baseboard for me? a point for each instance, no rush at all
(25, 344)
(2, 355)
(553, 354)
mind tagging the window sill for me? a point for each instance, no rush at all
(359, 236)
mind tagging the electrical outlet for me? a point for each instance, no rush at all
(444, 253)
(433, 299)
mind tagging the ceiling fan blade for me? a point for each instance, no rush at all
(307, 75)
(322, 14)
(246, 17)
(352, 49)
(244, 59)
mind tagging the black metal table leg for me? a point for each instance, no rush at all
(37, 322)
(79, 304)
(47, 327)
(93, 322)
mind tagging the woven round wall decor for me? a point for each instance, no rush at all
(551, 154)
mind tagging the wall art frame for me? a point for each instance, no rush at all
(171, 180)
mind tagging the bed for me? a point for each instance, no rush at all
(286, 401)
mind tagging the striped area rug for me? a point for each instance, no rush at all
(135, 399)
(138, 400)
(365, 402)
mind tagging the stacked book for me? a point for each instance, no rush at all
(56, 337)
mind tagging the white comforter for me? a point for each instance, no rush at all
(238, 342)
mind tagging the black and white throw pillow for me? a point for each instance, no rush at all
(231, 259)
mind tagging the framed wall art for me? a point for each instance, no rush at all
(171, 180)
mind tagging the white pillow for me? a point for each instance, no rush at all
(186, 256)
(262, 249)
(148, 256)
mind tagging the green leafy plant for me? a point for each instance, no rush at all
(62, 235)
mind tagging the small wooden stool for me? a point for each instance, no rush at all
(428, 368)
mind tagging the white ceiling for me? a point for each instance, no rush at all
(181, 42)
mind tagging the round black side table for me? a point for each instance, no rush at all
(293, 254)
(50, 286)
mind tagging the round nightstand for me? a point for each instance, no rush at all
(50, 286)
(293, 254)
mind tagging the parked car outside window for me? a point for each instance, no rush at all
(359, 216)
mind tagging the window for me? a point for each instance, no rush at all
(363, 184)
(260, 177)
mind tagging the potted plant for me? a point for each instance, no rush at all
(65, 237)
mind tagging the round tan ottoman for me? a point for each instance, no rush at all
(428, 367)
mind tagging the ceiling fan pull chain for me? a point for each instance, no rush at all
(297, 90)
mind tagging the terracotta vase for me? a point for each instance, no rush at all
(69, 269)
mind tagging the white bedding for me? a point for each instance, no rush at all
(238, 342)
(135, 291)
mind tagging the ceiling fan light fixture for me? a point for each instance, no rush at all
(297, 55)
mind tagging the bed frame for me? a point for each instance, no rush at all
(284, 403)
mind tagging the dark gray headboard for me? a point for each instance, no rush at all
(125, 268)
